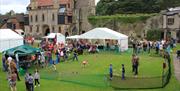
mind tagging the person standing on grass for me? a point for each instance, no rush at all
(37, 78)
(65, 54)
(149, 46)
(4, 63)
(75, 55)
(123, 72)
(14, 69)
(54, 66)
(39, 59)
(132, 60)
(157, 47)
(136, 64)
(110, 71)
(31, 81)
(57, 55)
(13, 81)
(26, 81)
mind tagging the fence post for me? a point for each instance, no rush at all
(163, 78)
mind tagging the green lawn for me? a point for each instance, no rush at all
(73, 77)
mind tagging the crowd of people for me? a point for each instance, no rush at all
(147, 46)
(43, 59)
(63, 52)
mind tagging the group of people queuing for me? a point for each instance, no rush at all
(147, 46)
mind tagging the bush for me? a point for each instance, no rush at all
(154, 34)
(99, 21)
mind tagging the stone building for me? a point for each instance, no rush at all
(46, 16)
(15, 21)
(83, 9)
(171, 23)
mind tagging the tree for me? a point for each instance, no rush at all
(110, 7)
(154, 34)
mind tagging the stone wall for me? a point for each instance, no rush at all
(136, 29)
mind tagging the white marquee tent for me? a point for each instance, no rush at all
(105, 33)
(9, 39)
(60, 37)
(73, 37)
(20, 32)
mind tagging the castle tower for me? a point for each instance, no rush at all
(83, 9)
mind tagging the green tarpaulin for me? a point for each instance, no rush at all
(22, 50)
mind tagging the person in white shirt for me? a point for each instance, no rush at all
(31, 81)
(37, 78)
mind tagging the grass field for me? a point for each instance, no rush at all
(72, 76)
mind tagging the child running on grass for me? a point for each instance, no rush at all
(84, 63)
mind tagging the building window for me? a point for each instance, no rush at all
(28, 8)
(37, 29)
(26, 20)
(42, 17)
(69, 19)
(59, 29)
(61, 19)
(31, 18)
(52, 17)
(30, 27)
(13, 26)
(62, 8)
(68, 5)
(36, 18)
(9, 25)
(53, 30)
(170, 21)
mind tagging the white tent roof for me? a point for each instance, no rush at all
(6, 34)
(103, 33)
(52, 35)
(73, 37)
(19, 31)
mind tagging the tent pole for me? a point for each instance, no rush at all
(17, 62)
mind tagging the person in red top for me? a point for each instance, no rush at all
(50, 47)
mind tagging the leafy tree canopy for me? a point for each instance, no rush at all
(110, 7)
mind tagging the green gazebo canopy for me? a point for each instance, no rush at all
(22, 50)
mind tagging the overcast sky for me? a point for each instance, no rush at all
(18, 6)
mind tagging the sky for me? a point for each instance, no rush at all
(18, 6)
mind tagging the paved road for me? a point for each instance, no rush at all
(176, 63)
